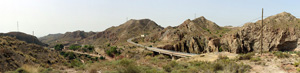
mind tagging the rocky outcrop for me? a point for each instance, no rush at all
(279, 34)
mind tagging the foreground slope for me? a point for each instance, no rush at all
(15, 53)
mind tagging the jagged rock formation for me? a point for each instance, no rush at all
(280, 33)
(24, 37)
(192, 36)
(15, 53)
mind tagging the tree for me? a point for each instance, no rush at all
(59, 47)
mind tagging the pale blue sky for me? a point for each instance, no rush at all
(59, 16)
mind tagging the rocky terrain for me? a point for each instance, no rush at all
(15, 53)
(67, 38)
(24, 37)
(112, 35)
(203, 36)
(280, 33)
(192, 36)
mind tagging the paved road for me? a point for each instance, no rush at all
(163, 51)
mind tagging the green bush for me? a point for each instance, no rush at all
(255, 59)
(128, 66)
(76, 63)
(247, 56)
(58, 47)
(102, 58)
(112, 51)
(280, 54)
(74, 47)
(150, 45)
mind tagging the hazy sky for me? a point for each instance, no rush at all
(59, 16)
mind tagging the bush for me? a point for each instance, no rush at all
(76, 63)
(59, 47)
(280, 54)
(150, 45)
(128, 66)
(255, 59)
(102, 58)
(247, 56)
(74, 47)
(112, 51)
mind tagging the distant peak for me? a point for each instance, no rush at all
(200, 18)
(282, 15)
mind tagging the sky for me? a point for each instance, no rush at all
(59, 16)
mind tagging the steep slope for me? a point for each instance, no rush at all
(24, 37)
(191, 36)
(15, 53)
(280, 33)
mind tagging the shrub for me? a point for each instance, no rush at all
(150, 45)
(128, 66)
(59, 47)
(74, 47)
(255, 59)
(102, 58)
(222, 57)
(296, 64)
(247, 56)
(76, 63)
(112, 51)
(280, 54)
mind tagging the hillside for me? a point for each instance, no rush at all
(280, 33)
(15, 53)
(113, 35)
(191, 36)
(67, 38)
(24, 37)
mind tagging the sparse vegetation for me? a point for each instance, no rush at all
(280, 54)
(246, 56)
(255, 59)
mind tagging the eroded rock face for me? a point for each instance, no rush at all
(196, 45)
(279, 34)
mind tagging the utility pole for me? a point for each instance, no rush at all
(33, 33)
(195, 15)
(261, 31)
(17, 26)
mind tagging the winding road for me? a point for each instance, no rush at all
(163, 51)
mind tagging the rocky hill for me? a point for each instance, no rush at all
(15, 53)
(112, 35)
(24, 37)
(129, 29)
(280, 33)
(67, 38)
(191, 36)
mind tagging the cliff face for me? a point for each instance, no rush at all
(192, 36)
(280, 33)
